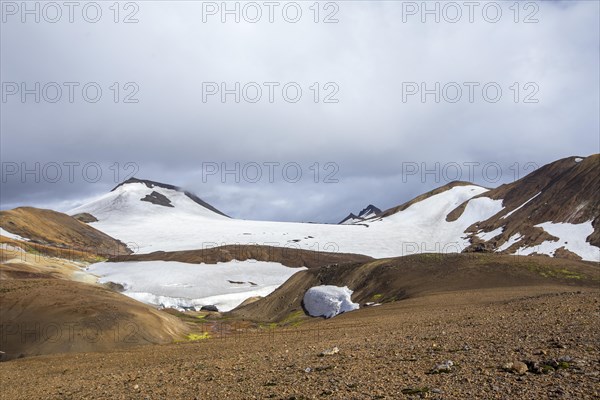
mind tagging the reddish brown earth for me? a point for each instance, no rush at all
(385, 352)
(44, 316)
(51, 305)
(287, 256)
(54, 229)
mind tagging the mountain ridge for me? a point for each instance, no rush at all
(562, 192)
(368, 212)
(151, 184)
(553, 211)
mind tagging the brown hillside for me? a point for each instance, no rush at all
(45, 316)
(289, 257)
(417, 275)
(568, 192)
(47, 227)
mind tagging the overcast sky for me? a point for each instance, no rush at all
(370, 134)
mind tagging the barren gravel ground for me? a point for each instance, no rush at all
(385, 352)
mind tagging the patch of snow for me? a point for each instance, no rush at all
(489, 235)
(10, 248)
(511, 240)
(9, 235)
(578, 159)
(571, 236)
(351, 221)
(182, 285)
(521, 206)
(328, 301)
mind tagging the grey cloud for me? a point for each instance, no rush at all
(370, 133)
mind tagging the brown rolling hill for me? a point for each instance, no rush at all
(563, 191)
(49, 304)
(45, 316)
(413, 276)
(290, 257)
(58, 230)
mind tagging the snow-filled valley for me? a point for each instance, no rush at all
(147, 227)
(184, 286)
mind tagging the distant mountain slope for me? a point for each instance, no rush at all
(350, 219)
(150, 227)
(152, 184)
(135, 197)
(47, 227)
(553, 209)
(366, 213)
(424, 196)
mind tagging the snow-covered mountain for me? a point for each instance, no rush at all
(138, 197)
(368, 212)
(563, 220)
(149, 227)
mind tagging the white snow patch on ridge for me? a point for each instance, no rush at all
(183, 285)
(490, 235)
(11, 235)
(571, 236)
(328, 301)
(511, 240)
(521, 206)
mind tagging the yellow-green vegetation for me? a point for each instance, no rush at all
(194, 336)
(548, 272)
(410, 391)
(293, 319)
(270, 325)
(570, 274)
(431, 256)
(564, 365)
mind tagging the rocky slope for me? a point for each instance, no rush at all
(54, 229)
(368, 212)
(561, 194)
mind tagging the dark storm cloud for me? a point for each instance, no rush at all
(371, 135)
